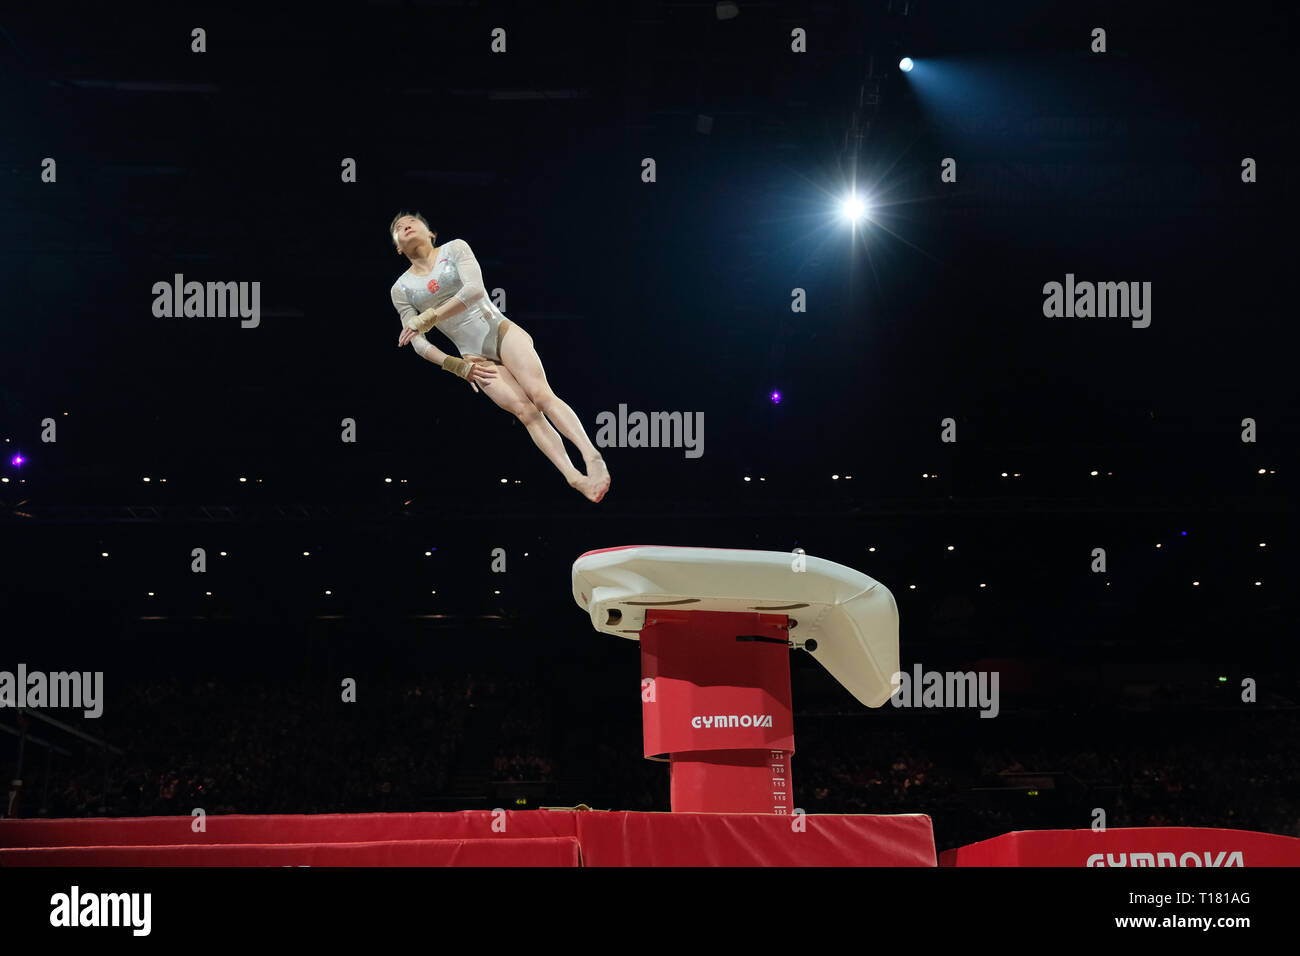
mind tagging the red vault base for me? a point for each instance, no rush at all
(715, 697)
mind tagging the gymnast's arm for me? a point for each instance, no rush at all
(416, 322)
(411, 320)
(471, 275)
(427, 350)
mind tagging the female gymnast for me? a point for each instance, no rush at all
(444, 287)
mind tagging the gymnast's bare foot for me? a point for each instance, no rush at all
(588, 487)
(599, 474)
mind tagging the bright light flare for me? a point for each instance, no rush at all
(854, 209)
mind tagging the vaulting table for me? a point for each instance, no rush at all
(716, 627)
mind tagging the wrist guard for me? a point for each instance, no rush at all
(423, 322)
(457, 366)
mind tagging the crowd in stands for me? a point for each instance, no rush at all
(1237, 769)
(296, 747)
(232, 747)
(522, 731)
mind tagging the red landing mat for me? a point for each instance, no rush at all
(543, 851)
(1129, 846)
(476, 838)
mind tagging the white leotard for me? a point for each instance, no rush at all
(456, 273)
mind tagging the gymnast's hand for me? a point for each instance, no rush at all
(406, 336)
(484, 372)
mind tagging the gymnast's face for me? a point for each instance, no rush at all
(410, 234)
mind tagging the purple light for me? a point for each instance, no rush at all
(776, 398)
(17, 461)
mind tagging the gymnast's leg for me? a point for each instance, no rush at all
(520, 358)
(508, 394)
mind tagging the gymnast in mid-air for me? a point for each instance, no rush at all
(444, 288)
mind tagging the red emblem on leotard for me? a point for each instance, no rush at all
(433, 285)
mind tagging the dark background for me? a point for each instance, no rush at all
(1123, 688)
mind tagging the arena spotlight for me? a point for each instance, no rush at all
(905, 64)
(854, 208)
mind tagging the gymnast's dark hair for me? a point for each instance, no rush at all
(393, 225)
